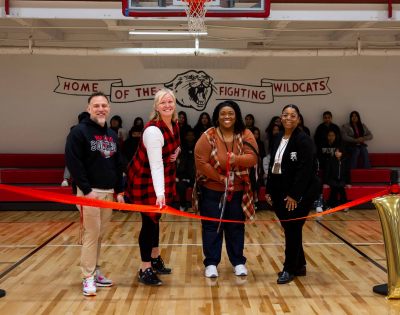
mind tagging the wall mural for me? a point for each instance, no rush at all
(194, 89)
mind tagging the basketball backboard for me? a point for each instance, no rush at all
(217, 8)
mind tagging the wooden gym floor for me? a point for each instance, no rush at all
(40, 255)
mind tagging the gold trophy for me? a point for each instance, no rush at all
(389, 213)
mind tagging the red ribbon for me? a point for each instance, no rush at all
(74, 200)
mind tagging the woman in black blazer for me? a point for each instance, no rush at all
(292, 187)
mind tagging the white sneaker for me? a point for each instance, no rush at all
(240, 270)
(89, 287)
(319, 209)
(346, 210)
(211, 271)
(102, 281)
(182, 209)
(64, 183)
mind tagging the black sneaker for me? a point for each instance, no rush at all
(148, 277)
(159, 267)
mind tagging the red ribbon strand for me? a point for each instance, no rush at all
(82, 201)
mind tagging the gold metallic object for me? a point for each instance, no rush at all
(389, 213)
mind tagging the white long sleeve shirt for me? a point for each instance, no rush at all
(153, 140)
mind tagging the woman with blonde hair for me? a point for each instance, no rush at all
(151, 180)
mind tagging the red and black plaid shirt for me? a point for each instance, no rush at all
(139, 186)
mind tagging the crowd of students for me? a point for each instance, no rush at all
(338, 149)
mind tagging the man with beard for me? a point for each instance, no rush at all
(92, 156)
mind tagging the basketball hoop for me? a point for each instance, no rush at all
(196, 12)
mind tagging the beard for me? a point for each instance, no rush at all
(100, 121)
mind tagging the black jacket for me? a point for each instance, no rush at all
(129, 147)
(299, 177)
(93, 158)
(320, 133)
(325, 152)
(338, 170)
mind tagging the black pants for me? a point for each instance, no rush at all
(234, 232)
(337, 186)
(148, 237)
(294, 253)
(181, 187)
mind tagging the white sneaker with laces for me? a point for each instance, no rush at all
(102, 281)
(64, 183)
(89, 287)
(240, 270)
(319, 209)
(211, 271)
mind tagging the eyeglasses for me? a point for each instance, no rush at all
(291, 117)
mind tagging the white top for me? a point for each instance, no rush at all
(122, 134)
(279, 153)
(153, 140)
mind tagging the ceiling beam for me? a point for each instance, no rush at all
(124, 35)
(346, 35)
(51, 32)
(272, 35)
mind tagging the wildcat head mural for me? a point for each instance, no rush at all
(192, 89)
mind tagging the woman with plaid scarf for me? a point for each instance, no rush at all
(151, 180)
(212, 161)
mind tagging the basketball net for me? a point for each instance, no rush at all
(196, 12)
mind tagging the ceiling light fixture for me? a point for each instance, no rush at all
(164, 33)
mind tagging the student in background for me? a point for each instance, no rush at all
(321, 132)
(202, 125)
(267, 159)
(337, 176)
(327, 148)
(302, 127)
(249, 121)
(129, 147)
(116, 126)
(271, 130)
(354, 135)
(183, 125)
(138, 122)
(185, 168)
(276, 120)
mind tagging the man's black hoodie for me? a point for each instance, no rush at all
(93, 158)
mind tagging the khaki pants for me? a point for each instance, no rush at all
(95, 222)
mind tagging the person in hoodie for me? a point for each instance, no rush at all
(116, 126)
(67, 174)
(322, 130)
(129, 147)
(92, 157)
(326, 150)
(185, 168)
(337, 176)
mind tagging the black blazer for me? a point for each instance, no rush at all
(299, 177)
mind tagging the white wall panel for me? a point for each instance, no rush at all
(37, 120)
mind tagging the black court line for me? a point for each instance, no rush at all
(353, 247)
(34, 252)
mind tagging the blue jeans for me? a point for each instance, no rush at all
(234, 232)
(355, 151)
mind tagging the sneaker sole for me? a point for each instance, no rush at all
(149, 284)
(162, 272)
(104, 285)
(89, 294)
(212, 276)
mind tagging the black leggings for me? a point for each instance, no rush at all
(148, 237)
